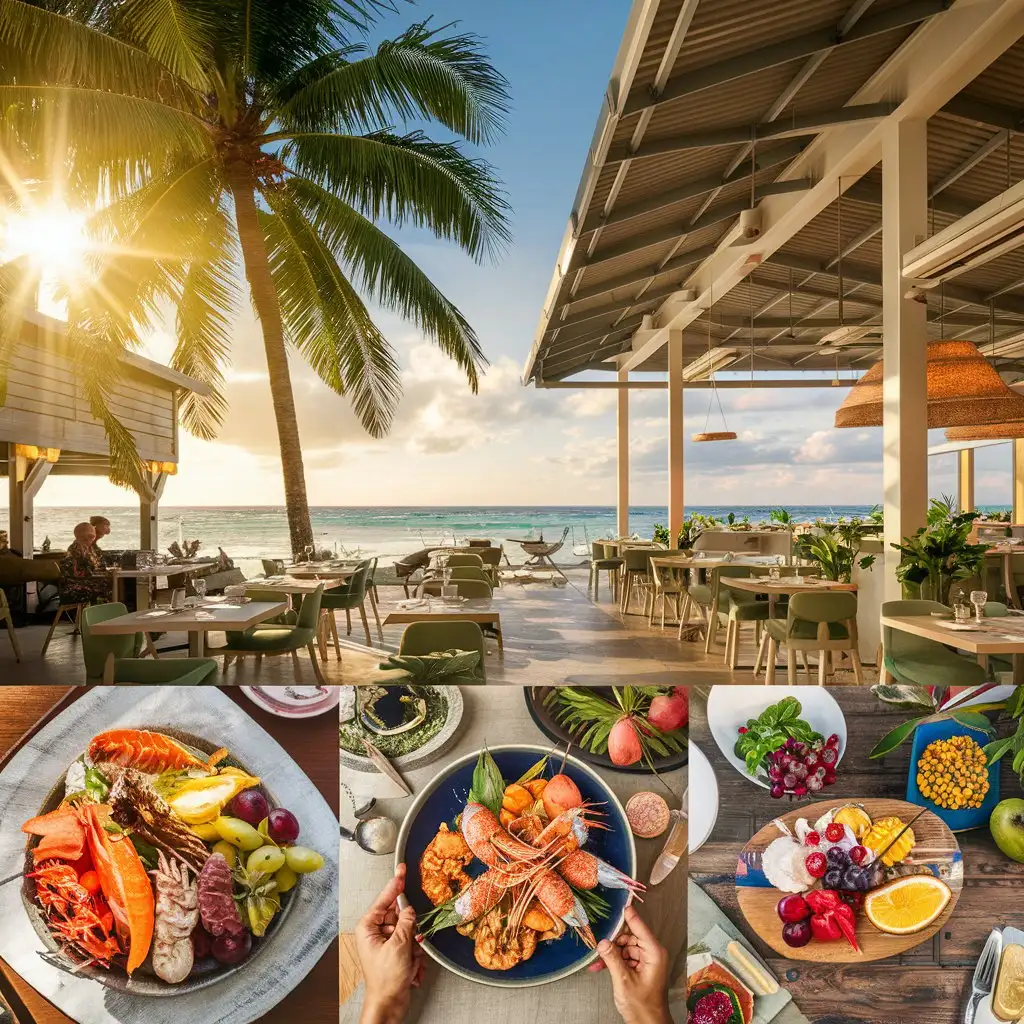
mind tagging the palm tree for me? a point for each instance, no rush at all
(221, 136)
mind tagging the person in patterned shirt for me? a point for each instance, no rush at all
(82, 578)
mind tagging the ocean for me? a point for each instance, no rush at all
(249, 534)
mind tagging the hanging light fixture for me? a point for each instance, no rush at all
(990, 431)
(714, 435)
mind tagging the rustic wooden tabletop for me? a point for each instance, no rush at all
(929, 983)
(312, 743)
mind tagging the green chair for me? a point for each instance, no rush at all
(469, 572)
(473, 588)
(284, 639)
(273, 566)
(920, 661)
(714, 599)
(431, 637)
(115, 659)
(603, 559)
(491, 557)
(668, 583)
(636, 576)
(825, 622)
(8, 620)
(348, 597)
(459, 558)
(288, 618)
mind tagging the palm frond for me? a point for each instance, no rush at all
(206, 310)
(325, 318)
(19, 281)
(174, 34)
(407, 179)
(421, 75)
(390, 276)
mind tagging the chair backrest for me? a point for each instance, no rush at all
(465, 558)
(309, 613)
(273, 566)
(827, 607)
(431, 637)
(473, 588)
(469, 572)
(598, 550)
(490, 556)
(637, 559)
(896, 642)
(355, 586)
(372, 566)
(996, 610)
(96, 648)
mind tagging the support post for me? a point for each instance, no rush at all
(904, 342)
(622, 437)
(1018, 480)
(675, 432)
(149, 512)
(965, 479)
(24, 479)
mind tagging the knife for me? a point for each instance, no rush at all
(674, 848)
(385, 767)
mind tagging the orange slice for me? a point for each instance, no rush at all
(907, 905)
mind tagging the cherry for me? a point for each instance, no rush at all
(858, 854)
(816, 864)
(835, 832)
(743, 730)
(793, 908)
(812, 839)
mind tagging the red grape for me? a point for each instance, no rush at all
(282, 826)
(796, 933)
(251, 806)
(793, 908)
(231, 949)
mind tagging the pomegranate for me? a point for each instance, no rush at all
(623, 743)
(669, 712)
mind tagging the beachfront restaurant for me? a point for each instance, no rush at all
(808, 195)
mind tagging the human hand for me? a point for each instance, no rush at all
(389, 955)
(638, 965)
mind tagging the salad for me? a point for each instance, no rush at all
(161, 859)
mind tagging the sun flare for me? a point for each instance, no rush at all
(52, 237)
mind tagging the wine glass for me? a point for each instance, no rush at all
(308, 551)
(199, 586)
(978, 599)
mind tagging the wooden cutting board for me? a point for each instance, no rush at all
(936, 847)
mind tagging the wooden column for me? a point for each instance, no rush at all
(1018, 480)
(24, 478)
(149, 512)
(622, 438)
(904, 342)
(965, 479)
(675, 432)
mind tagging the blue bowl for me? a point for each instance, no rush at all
(958, 821)
(445, 796)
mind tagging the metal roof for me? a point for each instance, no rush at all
(709, 104)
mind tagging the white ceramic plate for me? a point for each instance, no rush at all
(294, 701)
(729, 707)
(703, 797)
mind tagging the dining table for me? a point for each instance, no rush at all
(152, 572)
(492, 716)
(1005, 553)
(999, 635)
(292, 585)
(213, 616)
(321, 571)
(481, 610)
(310, 742)
(928, 984)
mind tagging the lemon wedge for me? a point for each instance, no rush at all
(907, 905)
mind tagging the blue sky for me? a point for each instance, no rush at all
(511, 445)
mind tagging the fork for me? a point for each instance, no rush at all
(984, 974)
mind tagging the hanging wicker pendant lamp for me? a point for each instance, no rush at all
(714, 435)
(989, 432)
(964, 390)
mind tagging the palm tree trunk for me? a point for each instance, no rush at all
(264, 297)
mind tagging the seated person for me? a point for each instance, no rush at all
(82, 577)
(102, 527)
(101, 524)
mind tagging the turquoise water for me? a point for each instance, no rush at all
(248, 534)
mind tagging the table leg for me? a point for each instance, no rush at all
(1011, 590)
(196, 644)
(115, 589)
(501, 641)
(1018, 669)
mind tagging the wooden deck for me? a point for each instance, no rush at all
(551, 636)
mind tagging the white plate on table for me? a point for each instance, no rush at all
(703, 797)
(729, 707)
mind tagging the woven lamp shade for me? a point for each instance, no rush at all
(964, 390)
(990, 432)
(715, 435)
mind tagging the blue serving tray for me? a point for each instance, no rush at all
(958, 821)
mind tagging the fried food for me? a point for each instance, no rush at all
(496, 949)
(442, 866)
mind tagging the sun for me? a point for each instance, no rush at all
(52, 236)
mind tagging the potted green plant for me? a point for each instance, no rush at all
(939, 554)
(692, 528)
(661, 534)
(835, 548)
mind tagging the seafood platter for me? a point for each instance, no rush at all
(519, 864)
(849, 882)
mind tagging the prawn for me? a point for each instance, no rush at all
(481, 895)
(568, 831)
(558, 900)
(489, 841)
(497, 949)
(82, 920)
(585, 871)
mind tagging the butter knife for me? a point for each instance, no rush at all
(674, 848)
(385, 767)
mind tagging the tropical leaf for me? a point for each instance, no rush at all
(891, 740)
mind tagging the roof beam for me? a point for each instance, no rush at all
(911, 13)
(805, 124)
(680, 262)
(692, 189)
(965, 108)
(938, 61)
(616, 306)
(870, 192)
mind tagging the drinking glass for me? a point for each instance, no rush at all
(178, 599)
(978, 599)
(961, 611)
(199, 586)
(308, 549)
(774, 573)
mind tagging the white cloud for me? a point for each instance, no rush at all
(817, 448)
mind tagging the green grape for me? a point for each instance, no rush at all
(302, 860)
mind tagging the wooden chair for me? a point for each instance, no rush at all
(7, 618)
(603, 559)
(65, 609)
(668, 582)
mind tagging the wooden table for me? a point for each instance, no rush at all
(223, 617)
(991, 638)
(479, 610)
(150, 572)
(1005, 553)
(312, 744)
(499, 715)
(321, 572)
(293, 585)
(930, 983)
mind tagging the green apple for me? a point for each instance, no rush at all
(1007, 826)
